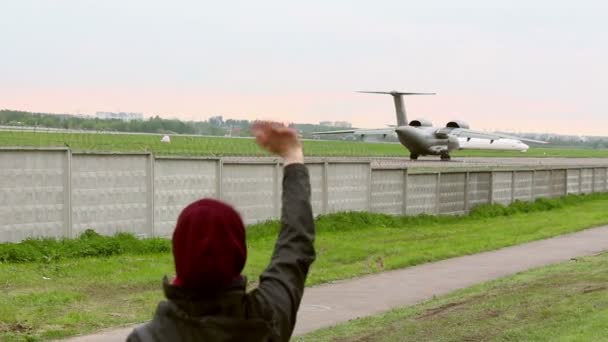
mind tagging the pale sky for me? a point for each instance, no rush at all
(499, 65)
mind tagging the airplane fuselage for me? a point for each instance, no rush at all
(421, 141)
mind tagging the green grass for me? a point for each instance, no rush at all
(183, 145)
(538, 152)
(565, 302)
(220, 146)
(67, 296)
(89, 244)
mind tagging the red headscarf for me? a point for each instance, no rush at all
(208, 245)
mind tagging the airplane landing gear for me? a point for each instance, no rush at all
(445, 156)
(413, 156)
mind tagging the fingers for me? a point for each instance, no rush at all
(266, 125)
(258, 127)
(275, 137)
(262, 130)
(262, 140)
(270, 129)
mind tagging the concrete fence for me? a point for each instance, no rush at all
(57, 193)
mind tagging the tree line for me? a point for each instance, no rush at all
(215, 126)
(218, 126)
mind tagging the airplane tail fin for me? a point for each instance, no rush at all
(399, 103)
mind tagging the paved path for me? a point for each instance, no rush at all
(337, 302)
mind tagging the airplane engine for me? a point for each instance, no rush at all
(453, 144)
(458, 124)
(421, 123)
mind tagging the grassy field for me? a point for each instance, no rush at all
(60, 296)
(565, 302)
(537, 152)
(220, 146)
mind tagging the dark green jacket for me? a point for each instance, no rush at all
(267, 313)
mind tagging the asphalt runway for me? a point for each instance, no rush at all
(434, 164)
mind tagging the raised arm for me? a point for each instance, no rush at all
(282, 283)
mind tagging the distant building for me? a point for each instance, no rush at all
(124, 116)
(343, 124)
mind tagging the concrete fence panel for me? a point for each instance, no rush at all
(574, 177)
(177, 183)
(523, 186)
(478, 189)
(54, 193)
(558, 183)
(317, 188)
(253, 189)
(388, 191)
(349, 187)
(586, 181)
(542, 184)
(502, 187)
(422, 194)
(452, 193)
(599, 180)
(109, 194)
(33, 194)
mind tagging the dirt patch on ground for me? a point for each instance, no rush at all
(15, 328)
(94, 290)
(476, 338)
(430, 313)
(389, 329)
(591, 289)
(493, 313)
(374, 264)
(380, 263)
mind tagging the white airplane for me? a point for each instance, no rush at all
(421, 138)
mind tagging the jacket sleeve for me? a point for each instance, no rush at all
(282, 283)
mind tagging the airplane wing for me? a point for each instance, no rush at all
(335, 132)
(467, 133)
(370, 131)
